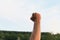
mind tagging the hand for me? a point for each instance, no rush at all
(36, 17)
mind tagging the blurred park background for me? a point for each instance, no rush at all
(15, 17)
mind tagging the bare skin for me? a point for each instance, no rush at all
(36, 34)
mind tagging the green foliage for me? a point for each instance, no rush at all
(47, 36)
(6, 35)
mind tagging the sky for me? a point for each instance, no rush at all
(15, 15)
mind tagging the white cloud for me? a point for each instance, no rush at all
(19, 12)
(15, 10)
(51, 19)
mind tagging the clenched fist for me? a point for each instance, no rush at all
(36, 17)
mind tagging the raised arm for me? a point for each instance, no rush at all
(36, 34)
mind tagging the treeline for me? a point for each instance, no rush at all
(11, 35)
(8, 35)
(50, 36)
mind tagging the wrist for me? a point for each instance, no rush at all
(37, 22)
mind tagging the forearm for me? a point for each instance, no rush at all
(36, 31)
